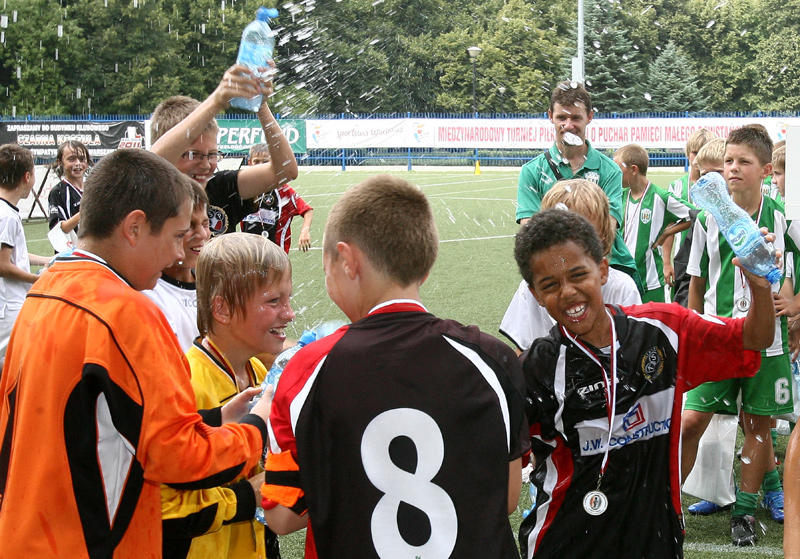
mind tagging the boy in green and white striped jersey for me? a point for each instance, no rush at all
(651, 214)
(717, 288)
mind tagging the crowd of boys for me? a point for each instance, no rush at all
(137, 418)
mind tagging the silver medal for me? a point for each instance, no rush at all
(743, 304)
(595, 503)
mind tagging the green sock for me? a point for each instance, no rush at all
(745, 503)
(774, 434)
(772, 481)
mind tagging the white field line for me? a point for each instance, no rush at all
(755, 551)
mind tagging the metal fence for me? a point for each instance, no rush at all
(414, 157)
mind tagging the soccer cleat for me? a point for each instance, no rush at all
(743, 530)
(706, 508)
(773, 502)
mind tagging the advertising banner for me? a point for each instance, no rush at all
(43, 137)
(521, 133)
(239, 135)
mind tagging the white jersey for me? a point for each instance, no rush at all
(525, 320)
(13, 292)
(178, 301)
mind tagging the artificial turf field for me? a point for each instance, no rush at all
(473, 280)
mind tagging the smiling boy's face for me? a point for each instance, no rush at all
(568, 283)
(200, 169)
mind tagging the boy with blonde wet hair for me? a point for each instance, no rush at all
(244, 283)
(367, 416)
(525, 320)
(111, 414)
(651, 214)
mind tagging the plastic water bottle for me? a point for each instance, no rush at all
(255, 52)
(741, 232)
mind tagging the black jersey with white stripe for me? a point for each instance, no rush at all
(662, 351)
(404, 426)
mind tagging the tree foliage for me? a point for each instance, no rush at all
(369, 56)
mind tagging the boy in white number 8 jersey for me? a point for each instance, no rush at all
(604, 391)
(400, 434)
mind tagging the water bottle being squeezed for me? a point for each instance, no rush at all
(741, 232)
(255, 52)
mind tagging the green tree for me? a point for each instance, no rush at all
(777, 86)
(613, 68)
(671, 84)
(40, 59)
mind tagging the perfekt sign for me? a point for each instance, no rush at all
(237, 136)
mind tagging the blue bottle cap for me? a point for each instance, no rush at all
(265, 14)
(307, 337)
(774, 275)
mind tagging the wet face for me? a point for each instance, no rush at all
(568, 283)
(196, 238)
(196, 163)
(573, 119)
(262, 328)
(743, 171)
(74, 163)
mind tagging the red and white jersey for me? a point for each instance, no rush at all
(403, 426)
(658, 350)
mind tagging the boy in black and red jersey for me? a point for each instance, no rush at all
(402, 433)
(604, 398)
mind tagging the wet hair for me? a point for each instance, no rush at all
(569, 93)
(756, 138)
(76, 147)
(779, 158)
(127, 180)
(171, 112)
(15, 161)
(259, 150)
(551, 228)
(587, 199)
(698, 139)
(234, 267)
(391, 221)
(711, 154)
(199, 195)
(634, 154)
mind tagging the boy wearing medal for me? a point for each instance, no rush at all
(651, 215)
(717, 287)
(604, 394)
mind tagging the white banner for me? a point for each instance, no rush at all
(521, 133)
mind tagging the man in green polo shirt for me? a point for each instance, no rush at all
(572, 156)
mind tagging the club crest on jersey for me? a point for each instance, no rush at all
(592, 176)
(217, 220)
(653, 363)
(646, 215)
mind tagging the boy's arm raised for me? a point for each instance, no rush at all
(758, 331)
(282, 165)
(238, 81)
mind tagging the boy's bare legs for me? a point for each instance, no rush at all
(757, 453)
(693, 425)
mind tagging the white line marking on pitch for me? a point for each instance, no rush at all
(758, 550)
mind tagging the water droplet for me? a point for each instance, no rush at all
(710, 24)
(648, 96)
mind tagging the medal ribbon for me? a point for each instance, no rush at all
(609, 383)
